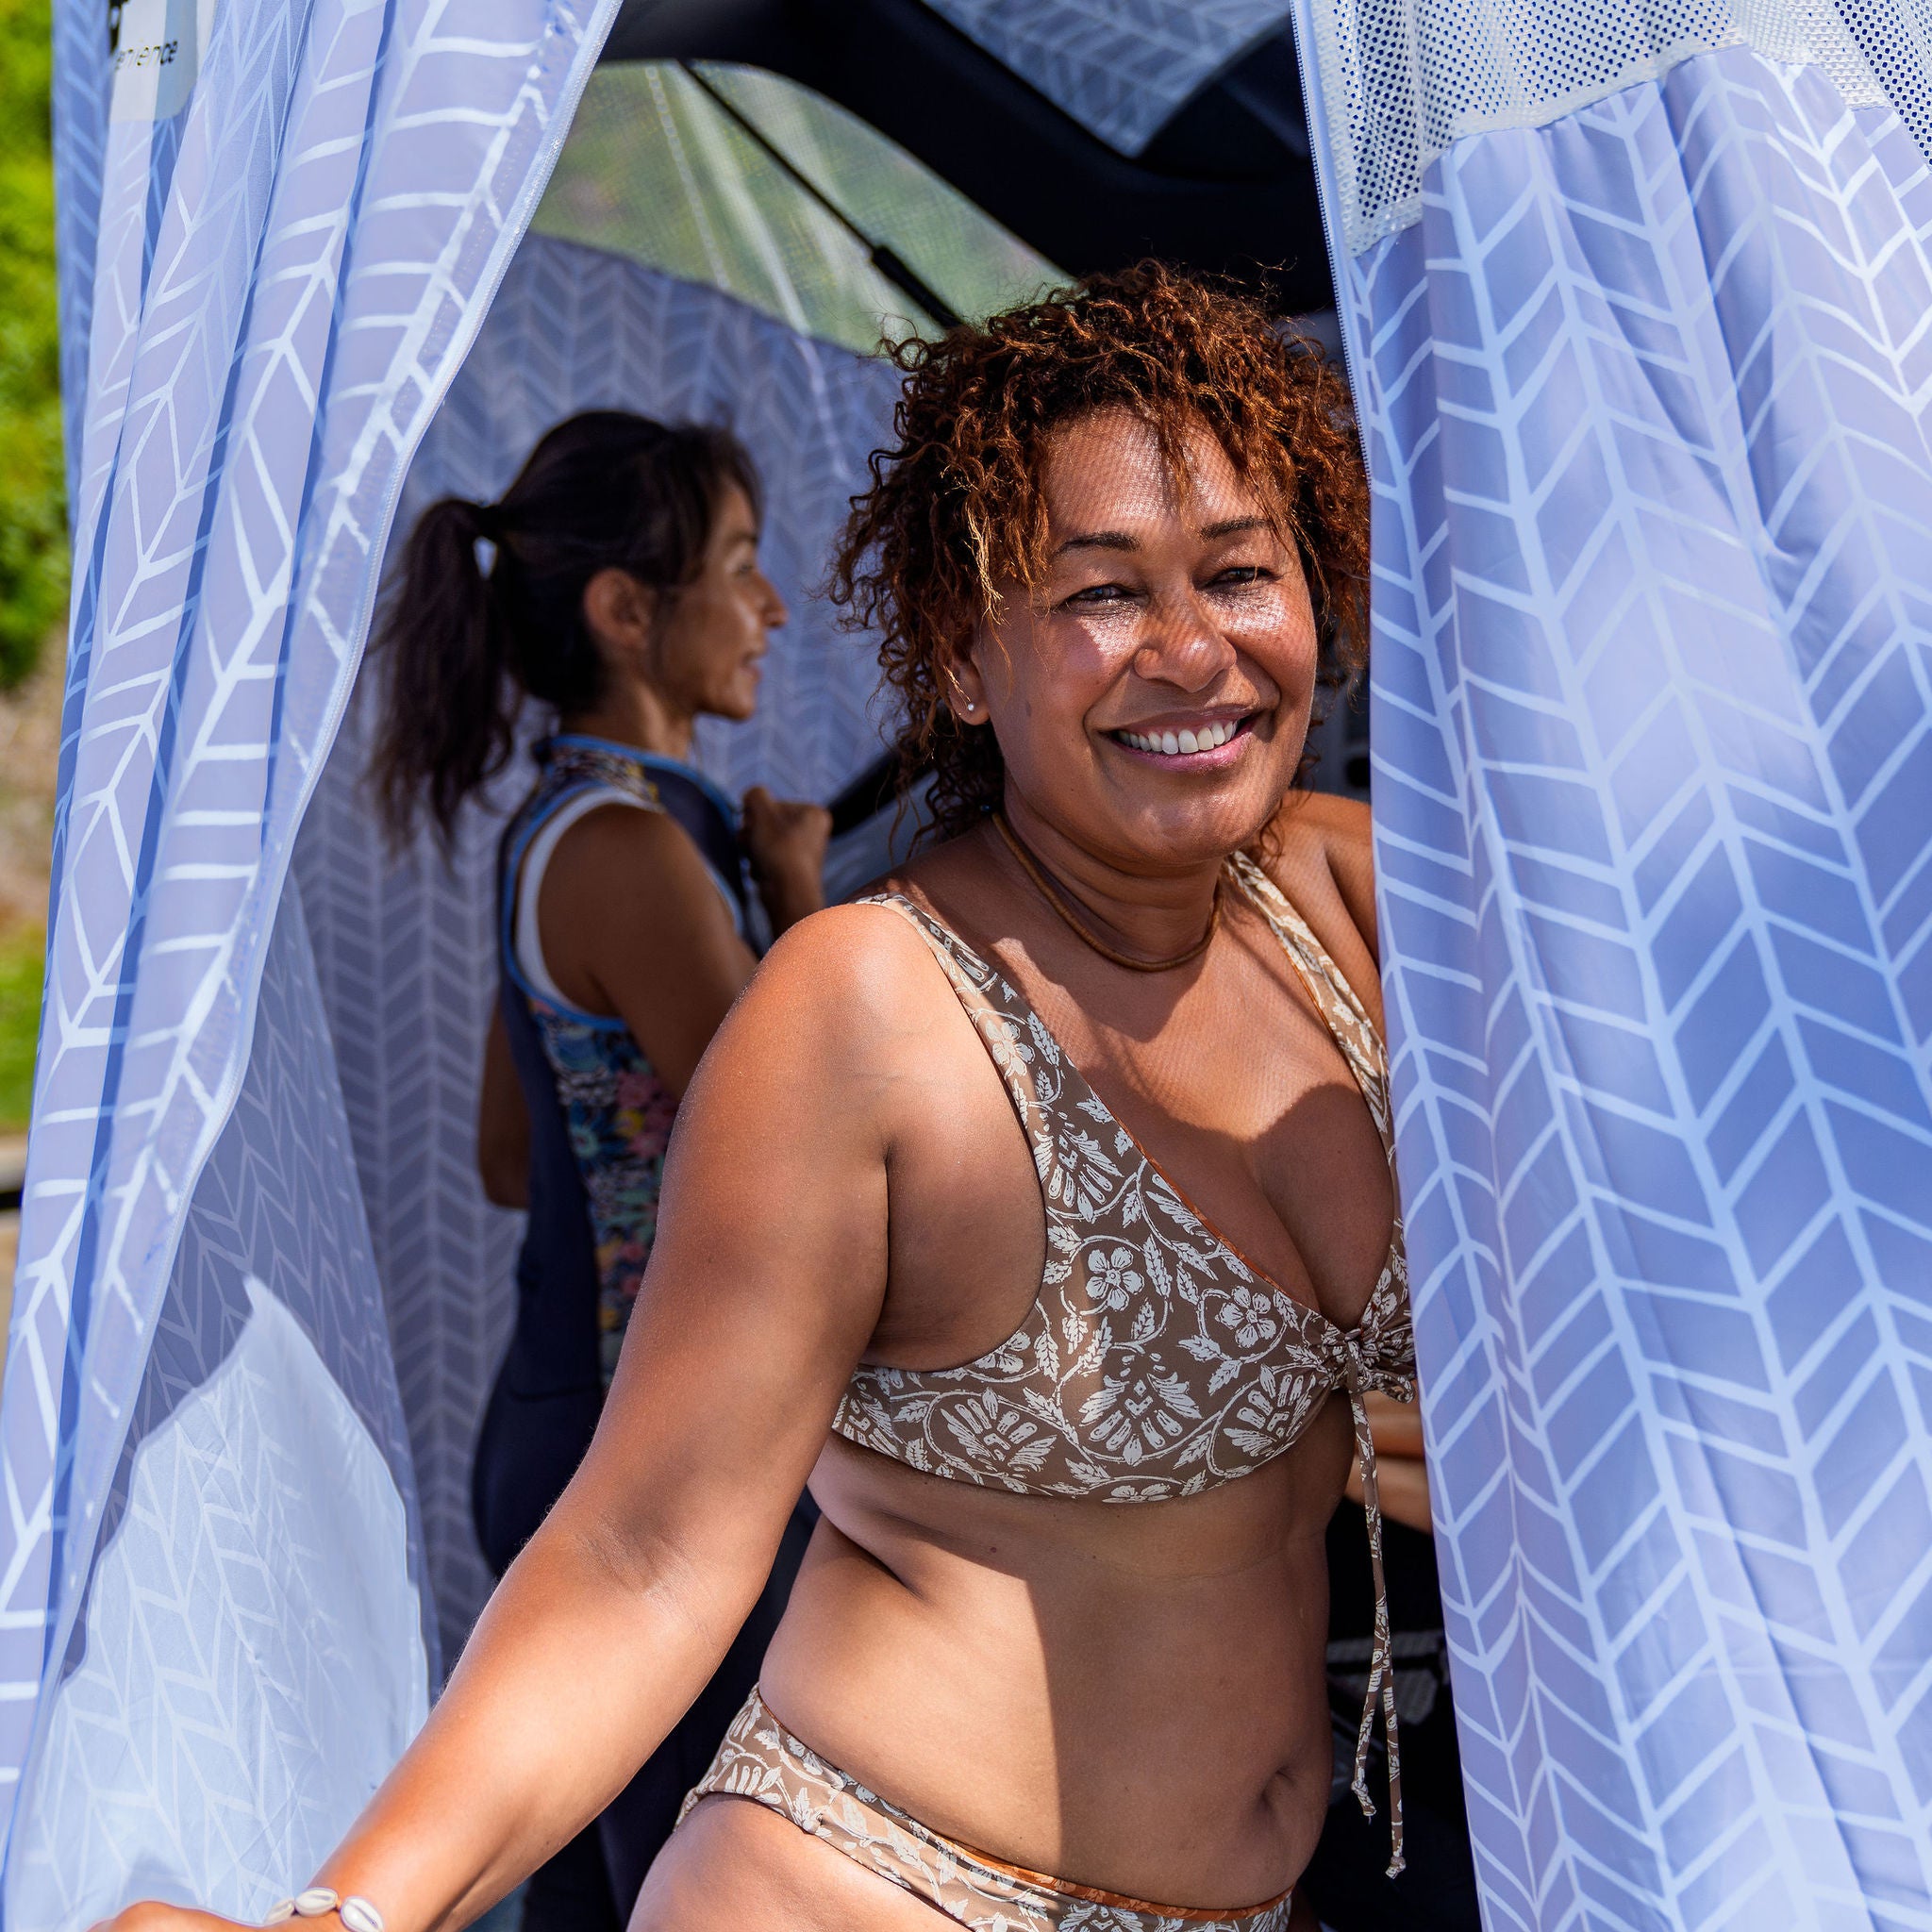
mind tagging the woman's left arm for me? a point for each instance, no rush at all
(1319, 852)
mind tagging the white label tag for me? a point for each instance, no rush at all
(157, 57)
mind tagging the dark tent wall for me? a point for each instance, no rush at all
(1180, 134)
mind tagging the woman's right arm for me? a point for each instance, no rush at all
(763, 1288)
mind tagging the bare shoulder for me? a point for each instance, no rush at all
(619, 841)
(858, 980)
(1322, 848)
(628, 901)
(1339, 824)
(1320, 852)
(864, 952)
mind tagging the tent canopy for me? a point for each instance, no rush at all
(1096, 134)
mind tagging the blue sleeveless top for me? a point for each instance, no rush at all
(617, 1113)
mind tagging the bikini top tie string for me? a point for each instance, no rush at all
(1359, 1379)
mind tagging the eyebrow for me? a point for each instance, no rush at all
(1099, 540)
(1120, 540)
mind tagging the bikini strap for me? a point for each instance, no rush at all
(1028, 1057)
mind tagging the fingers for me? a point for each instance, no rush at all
(150, 1915)
(766, 817)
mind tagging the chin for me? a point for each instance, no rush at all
(1228, 823)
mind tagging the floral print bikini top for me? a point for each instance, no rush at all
(1155, 1361)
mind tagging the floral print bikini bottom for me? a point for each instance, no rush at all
(762, 1760)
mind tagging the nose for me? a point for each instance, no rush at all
(1183, 645)
(774, 612)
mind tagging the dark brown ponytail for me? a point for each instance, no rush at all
(466, 643)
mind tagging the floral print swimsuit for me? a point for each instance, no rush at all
(617, 1112)
(1155, 1363)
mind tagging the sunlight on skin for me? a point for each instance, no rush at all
(1161, 610)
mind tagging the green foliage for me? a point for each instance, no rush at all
(33, 511)
(20, 1022)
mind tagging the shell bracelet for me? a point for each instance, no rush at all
(319, 1901)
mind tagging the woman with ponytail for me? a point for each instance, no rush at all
(617, 585)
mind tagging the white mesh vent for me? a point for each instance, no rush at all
(1402, 79)
(1895, 37)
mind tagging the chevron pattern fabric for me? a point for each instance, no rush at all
(405, 948)
(1647, 398)
(274, 287)
(1121, 68)
(252, 1658)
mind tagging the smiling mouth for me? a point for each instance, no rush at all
(1184, 743)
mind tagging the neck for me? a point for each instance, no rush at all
(1152, 916)
(636, 714)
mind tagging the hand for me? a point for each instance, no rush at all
(1395, 1428)
(786, 839)
(150, 1915)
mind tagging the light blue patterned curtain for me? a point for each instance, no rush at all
(1638, 309)
(280, 226)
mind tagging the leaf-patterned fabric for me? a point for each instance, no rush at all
(1155, 1361)
(762, 1760)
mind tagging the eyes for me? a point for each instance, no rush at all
(1231, 581)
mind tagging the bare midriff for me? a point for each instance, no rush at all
(1128, 1695)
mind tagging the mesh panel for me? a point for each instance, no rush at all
(1402, 79)
(1895, 37)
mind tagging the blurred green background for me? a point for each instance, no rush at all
(33, 532)
(33, 511)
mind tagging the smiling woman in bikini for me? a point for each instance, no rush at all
(1039, 1209)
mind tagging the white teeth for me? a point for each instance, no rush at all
(1180, 743)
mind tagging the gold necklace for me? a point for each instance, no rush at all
(1053, 897)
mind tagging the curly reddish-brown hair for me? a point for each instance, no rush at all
(958, 502)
